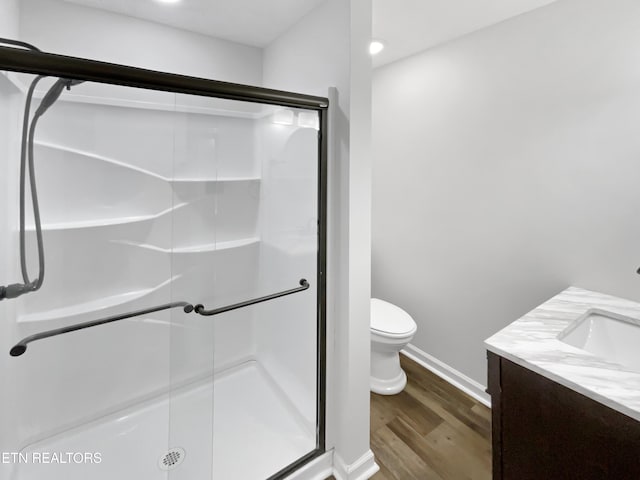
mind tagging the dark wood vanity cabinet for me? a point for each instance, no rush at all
(545, 431)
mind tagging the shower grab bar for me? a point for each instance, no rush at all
(21, 347)
(207, 313)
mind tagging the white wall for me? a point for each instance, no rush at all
(69, 29)
(9, 10)
(8, 29)
(8, 147)
(506, 168)
(328, 48)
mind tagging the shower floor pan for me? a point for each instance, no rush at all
(256, 432)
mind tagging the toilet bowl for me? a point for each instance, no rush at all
(391, 330)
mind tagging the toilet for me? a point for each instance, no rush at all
(391, 330)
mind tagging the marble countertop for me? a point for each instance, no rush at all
(532, 342)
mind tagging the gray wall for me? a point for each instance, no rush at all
(506, 168)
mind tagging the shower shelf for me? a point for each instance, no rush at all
(213, 180)
(109, 222)
(115, 303)
(204, 248)
(126, 166)
(104, 305)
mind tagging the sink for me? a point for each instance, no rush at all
(607, 335)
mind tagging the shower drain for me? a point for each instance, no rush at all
(172, 459)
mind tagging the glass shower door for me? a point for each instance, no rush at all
(245, 379)
(93, 403)
(152, 203)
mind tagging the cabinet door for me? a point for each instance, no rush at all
(547, 431)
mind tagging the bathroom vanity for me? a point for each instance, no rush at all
(565, 390)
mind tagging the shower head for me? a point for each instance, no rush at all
(54, 93)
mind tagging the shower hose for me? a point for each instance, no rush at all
(27, 158)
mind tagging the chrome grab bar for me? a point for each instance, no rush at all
(21, 347)
(201, 310)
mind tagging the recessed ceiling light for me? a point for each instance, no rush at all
(168, 1)
(375, 47)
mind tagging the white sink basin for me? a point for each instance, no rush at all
(610, 336)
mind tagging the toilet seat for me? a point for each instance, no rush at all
(388, 320)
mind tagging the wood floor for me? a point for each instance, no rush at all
(430, 431)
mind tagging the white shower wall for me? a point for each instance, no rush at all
(125, 180)
(126, 227)
(130, 224)
(8, 148)
(9, 29)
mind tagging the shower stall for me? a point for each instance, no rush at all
(179, 328)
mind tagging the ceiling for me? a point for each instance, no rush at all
(405, 26)
(251, 22)
(410, 26)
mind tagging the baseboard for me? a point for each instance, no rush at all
(448, 373)
(317, 469)
(362, 469)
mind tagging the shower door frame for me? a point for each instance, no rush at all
(61, 66)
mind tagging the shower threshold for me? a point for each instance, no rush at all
(256, 432)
